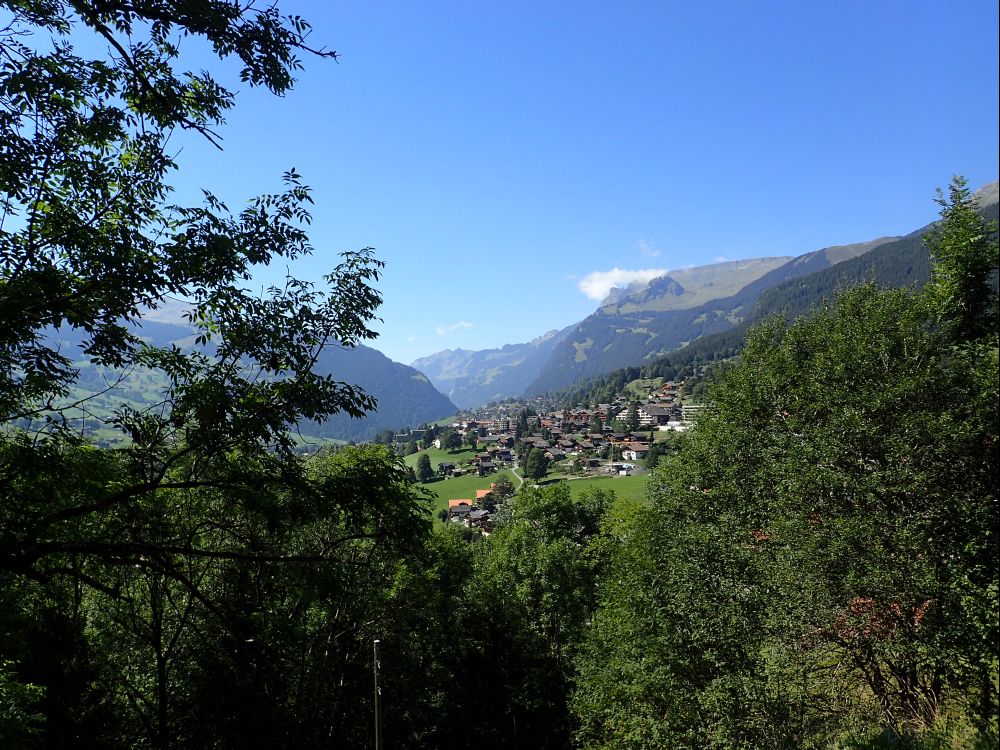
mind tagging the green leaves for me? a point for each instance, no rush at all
(965, 252)
(205, 542)
(84, 170)
(529, 596)
(19, 719)
(814, 563)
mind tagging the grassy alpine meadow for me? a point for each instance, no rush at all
(439, 456)
(641, 387)
(454, 488)
(631, 488)
(457, 488)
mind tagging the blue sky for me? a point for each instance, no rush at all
(498, 154)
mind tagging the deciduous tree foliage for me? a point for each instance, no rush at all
(424, 470)
(528, 598)
(89, 241)
(204, 566)
(536, 465)
(819, 561)
(451, 440)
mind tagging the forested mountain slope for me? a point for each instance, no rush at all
(472, 378)
(633, 332)
(892, 263)
(900, 263)
(405, 396)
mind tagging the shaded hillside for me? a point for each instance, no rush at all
(903, 262)
(405, 396)
(609, 339)
(891, 263)
(472, 378)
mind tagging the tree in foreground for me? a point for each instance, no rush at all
(528, 598)
(139, 584)
(818, 565)
(963, 288)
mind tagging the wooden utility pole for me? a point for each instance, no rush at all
(378, 699)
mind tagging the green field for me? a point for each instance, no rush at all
(454, 488)
(641, 388)
(438, 456)
(633, 488)
(457, 488)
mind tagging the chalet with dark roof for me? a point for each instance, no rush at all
(634, 451)
(459, 508)
(654, 414)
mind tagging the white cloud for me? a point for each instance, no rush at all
(445, 330)
(648, 250)
(719, 259)
(411, 337)
(596, 285)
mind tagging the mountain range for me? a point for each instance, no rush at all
(706, 304)
(688, 315)
(471, 378)
(405, 396)
(903, 262)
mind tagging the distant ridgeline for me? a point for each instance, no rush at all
(472, 378)
(665, 329)
(899, 262)
(405, 396)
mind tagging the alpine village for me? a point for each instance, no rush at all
(741, 505)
